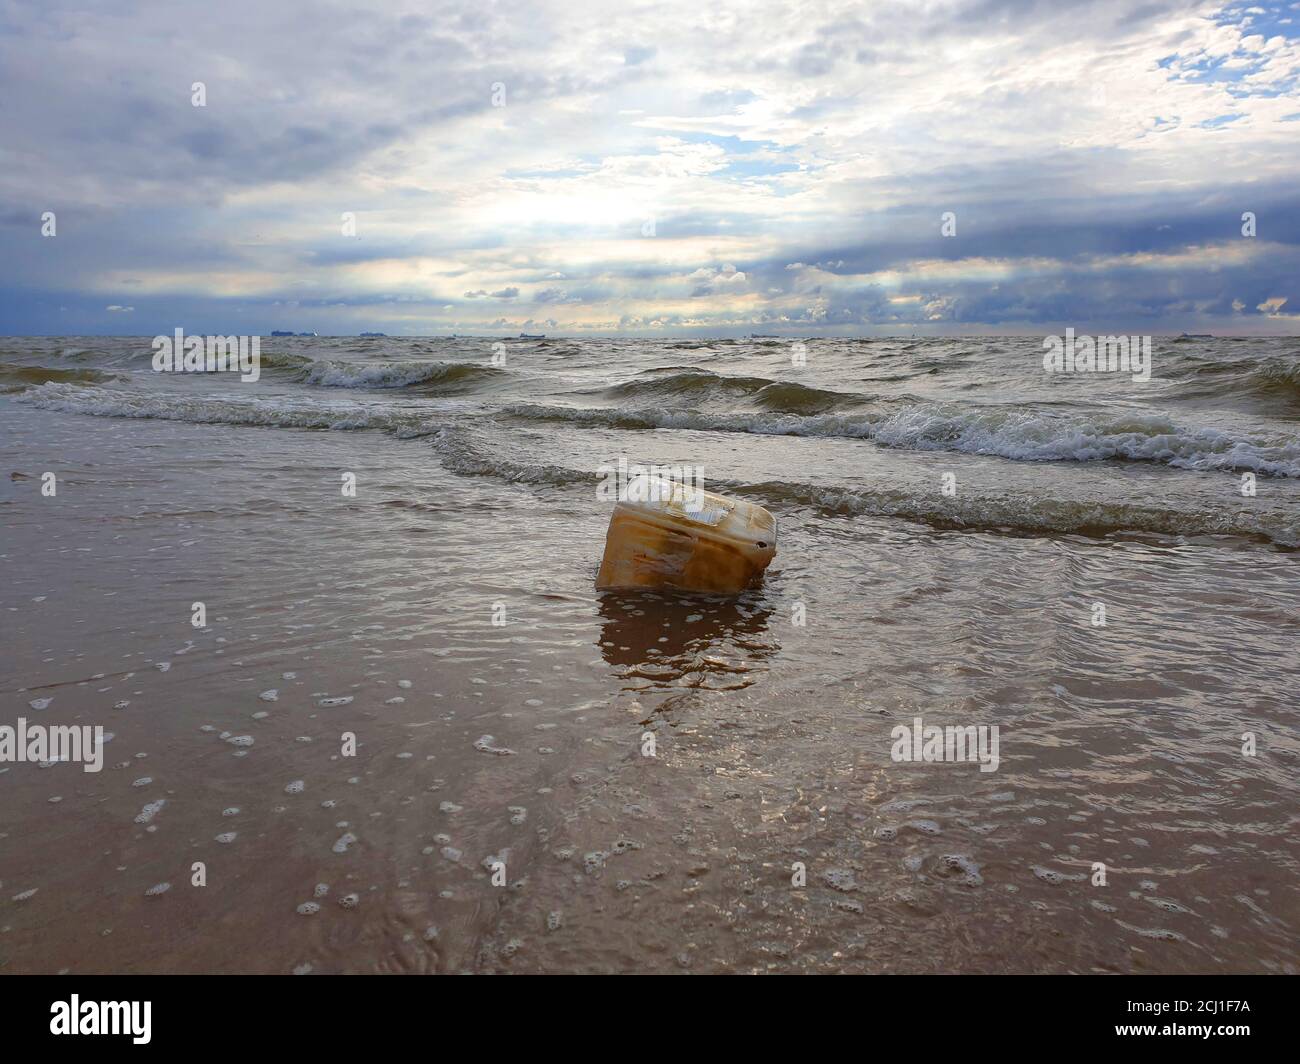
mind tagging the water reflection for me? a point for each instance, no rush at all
(687, 640)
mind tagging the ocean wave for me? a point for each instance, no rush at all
(1277, 379)
(763, 393)
(283, 360)
(473, 451)
(17, 378)
(790, 398)
(1274, 380)
(1018, 513)
(1015, 434)
(1034, 514)
(444, 377)
(279, 412)
(459, 454)
(691, 383)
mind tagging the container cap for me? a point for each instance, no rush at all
(689, 508)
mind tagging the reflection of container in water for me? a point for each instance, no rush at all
(676, 639)
(665, 535)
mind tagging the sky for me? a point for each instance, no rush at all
(666, 168)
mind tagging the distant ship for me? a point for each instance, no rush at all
(530, 336)
(763, 336)
(1196, 336)
(281, 332)
(372, 334)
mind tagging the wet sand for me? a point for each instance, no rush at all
(772, 740)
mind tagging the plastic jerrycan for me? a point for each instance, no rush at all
(667, 534)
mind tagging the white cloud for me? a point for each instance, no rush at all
(752, 141)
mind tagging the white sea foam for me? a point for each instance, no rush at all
(1016, 434)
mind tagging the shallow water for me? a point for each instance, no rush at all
(374, 615)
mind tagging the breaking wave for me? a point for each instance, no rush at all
(444, 378)
(1025, 436)
(1017, 513)
(1014, 434)
(280, 412)
(1035, 514)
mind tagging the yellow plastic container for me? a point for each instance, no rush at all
(683, 538)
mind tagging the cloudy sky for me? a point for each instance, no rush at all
(649, 168)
